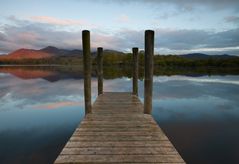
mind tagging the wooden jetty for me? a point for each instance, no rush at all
(118, 128)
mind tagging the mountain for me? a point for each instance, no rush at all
(113, 52)
(61, 52)
(47, 52)
(204, 56)
(27, 53)
(108, 51)
(50, 51)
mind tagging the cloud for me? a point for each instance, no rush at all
(29, 34)
(183, 40)
(123, 18)
(232, 19)
(2, 37)
(189, 4)
(108, 41)
(57, 21)
(182, 5)
(168, 15)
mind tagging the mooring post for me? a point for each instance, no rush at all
(100, 69)
(87, 69)
(135, 70)
(148, 67)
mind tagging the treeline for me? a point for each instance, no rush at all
(43, 61)
(171, 61)
(111, 59)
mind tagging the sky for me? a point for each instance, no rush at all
(181, 26)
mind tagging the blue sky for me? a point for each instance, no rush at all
(184, 26)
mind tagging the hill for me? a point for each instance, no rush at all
(46, 52)
(51, 55)
(205, 56)
(27, 54)
(61, 52)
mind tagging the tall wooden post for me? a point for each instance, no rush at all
(100, 69)
(135, 70)
(148, 80)
(87, 69)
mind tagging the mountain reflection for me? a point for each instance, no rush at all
(56, 73)
(48, 73)
(27, 73)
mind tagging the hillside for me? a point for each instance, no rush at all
(52, 55)
(27, 53)
(51, 51)
(46, 52)
(61, 52)
(205, 56)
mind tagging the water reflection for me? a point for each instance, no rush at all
(200, 116)
(40, 108)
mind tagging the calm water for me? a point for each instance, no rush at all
(39, 110)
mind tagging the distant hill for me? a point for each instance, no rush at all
(27, 53)
(204, 56)
(51, 51)
(47, 52)
(61, 52)
(113, 52)
(107, 51)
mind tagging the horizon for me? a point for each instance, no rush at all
(125, 52)
(210, 27)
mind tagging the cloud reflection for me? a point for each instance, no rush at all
(57, 105)
(177, 100)
(196, 79)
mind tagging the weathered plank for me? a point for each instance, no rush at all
(119, 158)
(163, 143)
(120, 151)
(117, 131)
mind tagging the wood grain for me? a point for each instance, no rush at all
(117, 131)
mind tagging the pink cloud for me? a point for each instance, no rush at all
(106, 41)
(28, 36)
(57, 21)
(57, 105)
(123, 18)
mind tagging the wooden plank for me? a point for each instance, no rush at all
(119, 126)
(119, 158)
(112, 122)
(119, 151)
(117, 131)
(163, 143)
(111, 129)
(110, 133)
(118, 138)
(121, 115)
(118, 120)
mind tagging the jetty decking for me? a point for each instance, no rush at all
(117, 131)
(118, 128)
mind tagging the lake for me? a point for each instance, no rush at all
(40, 107)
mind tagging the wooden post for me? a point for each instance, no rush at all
(100, 69)
(87, 69)
(148, 67)
(135, 70)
